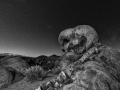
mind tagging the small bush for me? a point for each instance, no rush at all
(34, 73)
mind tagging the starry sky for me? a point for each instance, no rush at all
(31, 27)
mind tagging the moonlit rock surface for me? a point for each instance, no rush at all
(101, 74)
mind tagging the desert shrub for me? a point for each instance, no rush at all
(34, 73)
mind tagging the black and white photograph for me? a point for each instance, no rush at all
(59, 44)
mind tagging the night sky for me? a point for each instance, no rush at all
(31, 27)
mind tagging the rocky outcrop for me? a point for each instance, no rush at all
(100, 73)
(5, 78)
(15, 63)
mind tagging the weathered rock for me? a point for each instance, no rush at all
(101, 73)
(15, 63)
(5, 78)
(12, 65)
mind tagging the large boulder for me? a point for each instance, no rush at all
(15, 63)
(5, 78)
(93, 77)
(12, 65)
(100, 73)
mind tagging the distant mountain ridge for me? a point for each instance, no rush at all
(11, 54)
(42, 60)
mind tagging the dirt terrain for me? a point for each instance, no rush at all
(23, 85)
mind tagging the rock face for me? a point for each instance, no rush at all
(5, 78)
(100, 73)
(94, 77)
(10, 65)
(15, 63)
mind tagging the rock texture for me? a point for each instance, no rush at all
(5, 78)
(102, 73)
